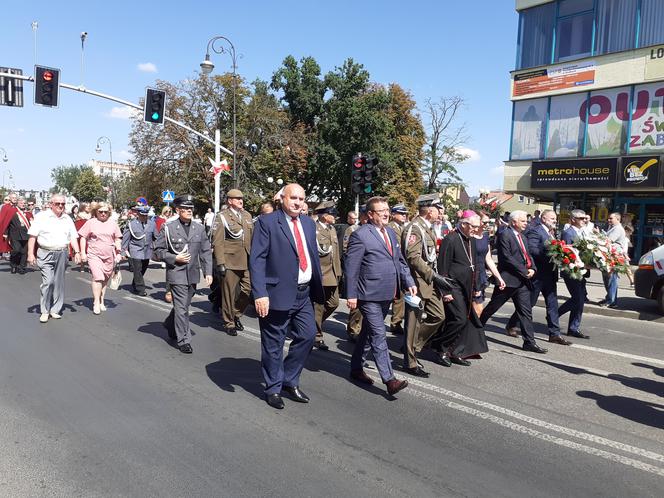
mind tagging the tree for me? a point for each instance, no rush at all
(443, 142)
(65, 177)
(88, 187)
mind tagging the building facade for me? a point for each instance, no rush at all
(587, 125)
(114, 170)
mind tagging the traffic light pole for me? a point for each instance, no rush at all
(218, 148)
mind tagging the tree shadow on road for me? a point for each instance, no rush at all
(229, 373)
(642, 412)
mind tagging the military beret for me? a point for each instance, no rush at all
(234, 193)
(399, 209)
(185, 201)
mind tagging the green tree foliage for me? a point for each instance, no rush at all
(88, 187)
(65, 177)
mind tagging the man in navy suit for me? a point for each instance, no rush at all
(542, 230)
(576, 288)
(285, 278)
(376, 272)
(517, 268)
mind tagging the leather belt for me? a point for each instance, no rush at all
(302, 287)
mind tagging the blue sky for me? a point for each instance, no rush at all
(432, 48)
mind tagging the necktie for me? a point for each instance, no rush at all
(387, 240)
(523, 250)
(301, 256)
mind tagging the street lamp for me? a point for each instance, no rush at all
(206, 68)
(105, 140)
(4, 155)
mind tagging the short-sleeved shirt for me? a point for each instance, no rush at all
(52, 231)
(101, 236)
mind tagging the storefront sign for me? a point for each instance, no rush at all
(574, 174)
(639, 172)
(556, 78)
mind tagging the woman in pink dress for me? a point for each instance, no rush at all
(100, 246)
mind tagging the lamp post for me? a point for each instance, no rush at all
(4, 160)
(206, 67)
(105, 140)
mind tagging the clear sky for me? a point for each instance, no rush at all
(433, 48)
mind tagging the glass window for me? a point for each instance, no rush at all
(647, 132)
(652, 23)
(566, 129)
(569, 7)
(615, 25)
(528, 129)
(608, 113)
(536, 36)
(574, 37)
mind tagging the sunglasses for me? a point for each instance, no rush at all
(103, 212)
(60, 204)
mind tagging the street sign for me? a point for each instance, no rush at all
(11, 89)
(168, 196)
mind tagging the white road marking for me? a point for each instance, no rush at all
(618, 353)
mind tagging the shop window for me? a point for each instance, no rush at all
(520, 199)
(615, 25)
(528, 129)
(607, 114)
(652, 23)
(647, 130)
(574, 29)
(535, 36)
(565, 130)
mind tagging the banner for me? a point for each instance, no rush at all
(556, 78)
(565, 136)
(528, 129)
(608, 113)
(647, 134)
(576, 174)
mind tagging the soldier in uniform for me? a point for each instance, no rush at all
(399, 215)
(232, 243)
(354, 325)
(185, 249)
(330, 262)
(419, 246)
(137, 241)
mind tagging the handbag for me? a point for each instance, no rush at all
(116, 279)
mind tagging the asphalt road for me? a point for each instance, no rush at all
(105, 406)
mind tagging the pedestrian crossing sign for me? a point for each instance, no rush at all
(168, 196)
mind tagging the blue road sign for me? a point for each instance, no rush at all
(168, 196)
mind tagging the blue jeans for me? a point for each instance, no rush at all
(611, 285)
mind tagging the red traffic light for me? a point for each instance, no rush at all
(47, 76)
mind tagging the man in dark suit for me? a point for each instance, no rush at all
(540, 231)
(376, 272)
(576, 288)
(517, 268)
(285, 277)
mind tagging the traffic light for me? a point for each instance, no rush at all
(370, 174)
(357, 173)
(155, 103)
(47, 86)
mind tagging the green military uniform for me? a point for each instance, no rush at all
(231, 242)
(330, 263)
(354, 316)
(397, 303)
(419, 246)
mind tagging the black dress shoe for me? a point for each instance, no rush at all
(186, 349)
(142, 293)
(13, 270)
(275, 401)
(459, 361)
(21, 271)
(321, 345)
(231, 331)
(534, 348)
(417, 372)
(613, 306)
(295, 394)
(556, 339)
(238, 325)
(442, 359)
(578, 335)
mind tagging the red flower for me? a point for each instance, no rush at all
(572, 256)
(566, 261)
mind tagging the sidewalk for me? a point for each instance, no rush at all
(629, 305)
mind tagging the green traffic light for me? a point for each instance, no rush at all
(155, 116)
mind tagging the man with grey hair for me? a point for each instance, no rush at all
(54, 231)
(616, 234)
(576, 288)
(517, 269)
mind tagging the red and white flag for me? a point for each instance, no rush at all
(219, 167)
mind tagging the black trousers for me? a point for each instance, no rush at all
(524, 309)
(19, 254)
(139, 267)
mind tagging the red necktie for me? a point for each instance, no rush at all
(387, 241)
(523, 249)
(301, 256)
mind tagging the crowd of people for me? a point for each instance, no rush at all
(293, 265)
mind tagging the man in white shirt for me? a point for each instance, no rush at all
(54, 231)
(616, 234)
(209, 217)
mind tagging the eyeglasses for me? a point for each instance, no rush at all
(380, 210)
(103, 212)
(59, 204)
